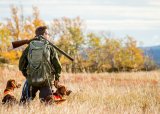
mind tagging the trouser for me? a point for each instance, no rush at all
(29, 92)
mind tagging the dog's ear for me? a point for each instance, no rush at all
(14, 84)
(10, 83)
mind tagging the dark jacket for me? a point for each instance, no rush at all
(55, 63)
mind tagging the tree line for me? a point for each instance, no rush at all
(92, 52)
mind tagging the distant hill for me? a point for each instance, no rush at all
(153, 52)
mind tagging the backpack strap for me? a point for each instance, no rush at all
(49, 63)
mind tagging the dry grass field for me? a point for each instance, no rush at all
(106, 93)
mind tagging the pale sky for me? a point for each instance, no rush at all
(137, 18)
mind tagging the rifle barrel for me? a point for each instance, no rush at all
(61, 51)
(16, 44)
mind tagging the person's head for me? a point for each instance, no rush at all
(42, 30)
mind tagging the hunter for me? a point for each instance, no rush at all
(40, 65)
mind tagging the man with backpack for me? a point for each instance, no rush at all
(40, 65)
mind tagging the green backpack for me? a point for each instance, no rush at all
(38, 69)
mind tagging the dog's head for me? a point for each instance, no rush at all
(62, 90)
(11, 84)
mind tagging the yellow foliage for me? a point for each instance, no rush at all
(64, 60)
(12, 56)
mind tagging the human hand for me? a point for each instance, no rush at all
(56, 83)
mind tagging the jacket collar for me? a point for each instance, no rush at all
(40, 37)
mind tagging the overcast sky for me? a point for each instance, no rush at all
(137, 18)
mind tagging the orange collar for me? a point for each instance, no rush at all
(8, 91)
(57, 97)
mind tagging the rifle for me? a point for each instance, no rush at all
(16, 44)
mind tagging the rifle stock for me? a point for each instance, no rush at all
(16, 44)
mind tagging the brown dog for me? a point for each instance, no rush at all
(58, 96)
(61, 91)
(8, 92)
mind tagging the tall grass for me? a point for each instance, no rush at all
(112, 93)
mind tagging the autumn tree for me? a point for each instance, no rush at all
(4, 38)
(94, 52)
(70, 39)
(132, 55)
(16, 28)
(91, 52)
(113, 53)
